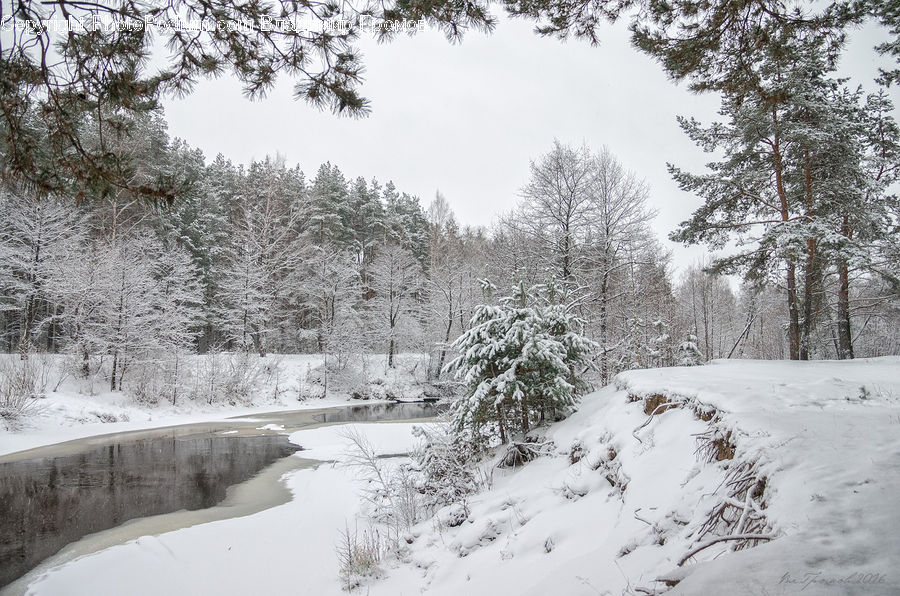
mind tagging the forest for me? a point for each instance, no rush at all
(262, 258)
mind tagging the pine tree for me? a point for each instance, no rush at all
(328, 210)
(366, 221)
(199, 219)
(520, 360)
(771, 191)
(405, 223)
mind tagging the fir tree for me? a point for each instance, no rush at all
(520, 360)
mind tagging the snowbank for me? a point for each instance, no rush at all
(629, 497)
(74, 408)
(802, 460)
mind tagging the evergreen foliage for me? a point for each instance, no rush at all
(803, 183)
(71, 93)
(521, 362)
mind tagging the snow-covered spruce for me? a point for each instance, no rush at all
(520, 360)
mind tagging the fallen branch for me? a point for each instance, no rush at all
(715, 541)
(650, 418)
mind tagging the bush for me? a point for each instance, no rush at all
(233, 378)
(22, 381)
(359, 556)
(447, 467)
(391, 492)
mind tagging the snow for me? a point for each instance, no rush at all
(286, 549)
(74, 411)
(832, 460)
(617, 506)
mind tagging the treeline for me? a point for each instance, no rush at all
(261, 258)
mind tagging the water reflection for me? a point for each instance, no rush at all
(382, 412)
(46, 503)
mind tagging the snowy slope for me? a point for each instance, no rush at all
(634, 505)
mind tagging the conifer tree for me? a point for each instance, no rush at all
(521, 361)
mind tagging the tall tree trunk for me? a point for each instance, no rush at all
(809, 287)
(175, 381)
(793, 310)
(845, 339)
(112, 374)
(450, 313)
(51, 329)
(604, 327)
(809, 273)
(524, 415)
(446, 341)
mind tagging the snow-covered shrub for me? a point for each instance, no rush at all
(161, 378)
(520, 360)
(392, 491)
(146, 385)
(244, 373)
(446, 465)
(359, 556)
(687, 353)
(233, 378)
(306, 389)
(576, 451)
(22, 380)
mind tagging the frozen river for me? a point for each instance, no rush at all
(54, 496)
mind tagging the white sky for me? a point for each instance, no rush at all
(466, 119)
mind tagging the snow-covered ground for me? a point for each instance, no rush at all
(804, 458)
(633, 506)
(74, 408)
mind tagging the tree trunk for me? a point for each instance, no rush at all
(524, 416)
(809, 274)
(809, 283)
(845, 339)
(112, 375)
(604, 326)
(51, 330)
(446, 341)
(793, 312)
(175, 381)
(500, 423)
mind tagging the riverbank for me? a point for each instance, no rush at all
(72, 408)
(285, 549)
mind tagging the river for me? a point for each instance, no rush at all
(77, 497)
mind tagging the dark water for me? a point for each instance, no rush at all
(46, 503)
(382, 412)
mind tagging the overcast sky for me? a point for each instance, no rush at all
(466, 119)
